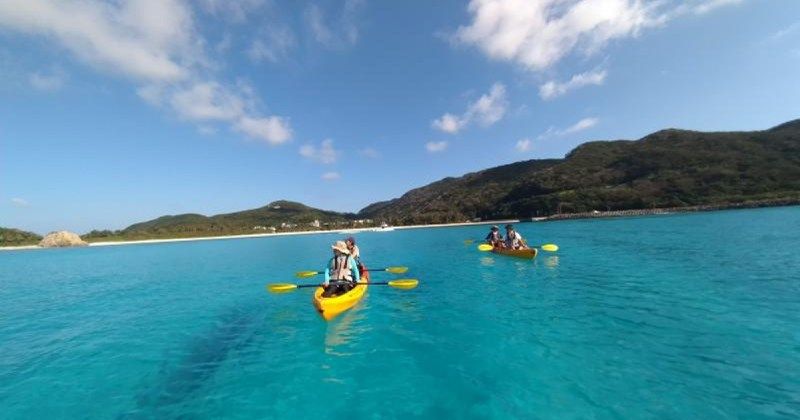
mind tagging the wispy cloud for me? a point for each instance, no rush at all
(20, 202)
(272, 45)
(337, 32)
(435, 146)
(581, 125)
(524, 145)
(331, 176)
(232, 10)
(369, 152)
(157, 46)
(785, 32)
(487, 110)
(325, 153)
(554, 89)
(537, 34)
(47, 82)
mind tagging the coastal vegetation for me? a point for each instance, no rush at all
(16, 237)
(669, 169)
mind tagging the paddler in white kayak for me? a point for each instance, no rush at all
(514, 239)
(341, 272)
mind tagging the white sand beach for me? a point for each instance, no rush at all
(267, 235)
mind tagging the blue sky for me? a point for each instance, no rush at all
(117, 112)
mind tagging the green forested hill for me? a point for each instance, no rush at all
(669, 168)
(282, 215)
(16, 237)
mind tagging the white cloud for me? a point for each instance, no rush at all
(273, 130)
(524, 145)
(581, 125)
(336, 33)
(436, 146)
(331, 176)
(449, 123)
(20, 202)
(783, 33)
(46, 82)
(487, 110)
(207, 101)
(154, 43)
(369, 152)
(537, 34)
(710, 5)
(553, 89)
(273, 45)
(325, 153)
(233, 10)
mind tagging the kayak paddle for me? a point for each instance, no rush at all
(393, 270)
(545, 247)
(404, 284)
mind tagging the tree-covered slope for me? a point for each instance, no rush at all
(16, 237)
(669, 168)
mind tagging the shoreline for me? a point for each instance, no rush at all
(262, 235)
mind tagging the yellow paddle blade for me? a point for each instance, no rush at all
(404, 283)
(397, 270)
(485, 247)
(306, 274)
(281, 287)
(550, 247)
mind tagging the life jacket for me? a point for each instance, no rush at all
(512, 239)
(340, 268)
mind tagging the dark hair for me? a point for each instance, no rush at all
(351, 239)
(509, 226)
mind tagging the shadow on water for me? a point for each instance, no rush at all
(234, 331)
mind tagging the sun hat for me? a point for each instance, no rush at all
(341, 247)
(495, 227)
(509, 227)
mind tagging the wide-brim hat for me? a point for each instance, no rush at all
(341, 247)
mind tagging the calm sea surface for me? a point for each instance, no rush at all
(684, 316)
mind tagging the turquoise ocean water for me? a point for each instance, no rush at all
(684, 316)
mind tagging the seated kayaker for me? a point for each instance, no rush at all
(354, 251)
(494, 238)
(514, 239)
(341, 272)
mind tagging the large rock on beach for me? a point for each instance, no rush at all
(60, 239)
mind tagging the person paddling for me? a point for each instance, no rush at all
(514, 239)
(494, 238)
(354, 251)
(341, 272)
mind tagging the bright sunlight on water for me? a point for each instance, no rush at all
(680, 316)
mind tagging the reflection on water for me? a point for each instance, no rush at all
(551, 262)
(344, 329)
(487, 261)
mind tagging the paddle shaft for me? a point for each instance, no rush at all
(377, 283)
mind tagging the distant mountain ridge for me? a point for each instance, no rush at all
(669, 168)
(666, 169)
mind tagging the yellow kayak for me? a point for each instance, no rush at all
(528, 254)
(330, 307)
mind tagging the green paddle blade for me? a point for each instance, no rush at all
(281, 287)
(485, 247)
(306, 274)
(397, 270)
(550, 247)
(404, 284)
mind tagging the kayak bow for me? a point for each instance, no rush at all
(330, 307)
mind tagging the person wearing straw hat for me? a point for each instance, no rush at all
(341, 273)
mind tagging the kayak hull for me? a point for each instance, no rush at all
(330, 307)
(527, 254)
